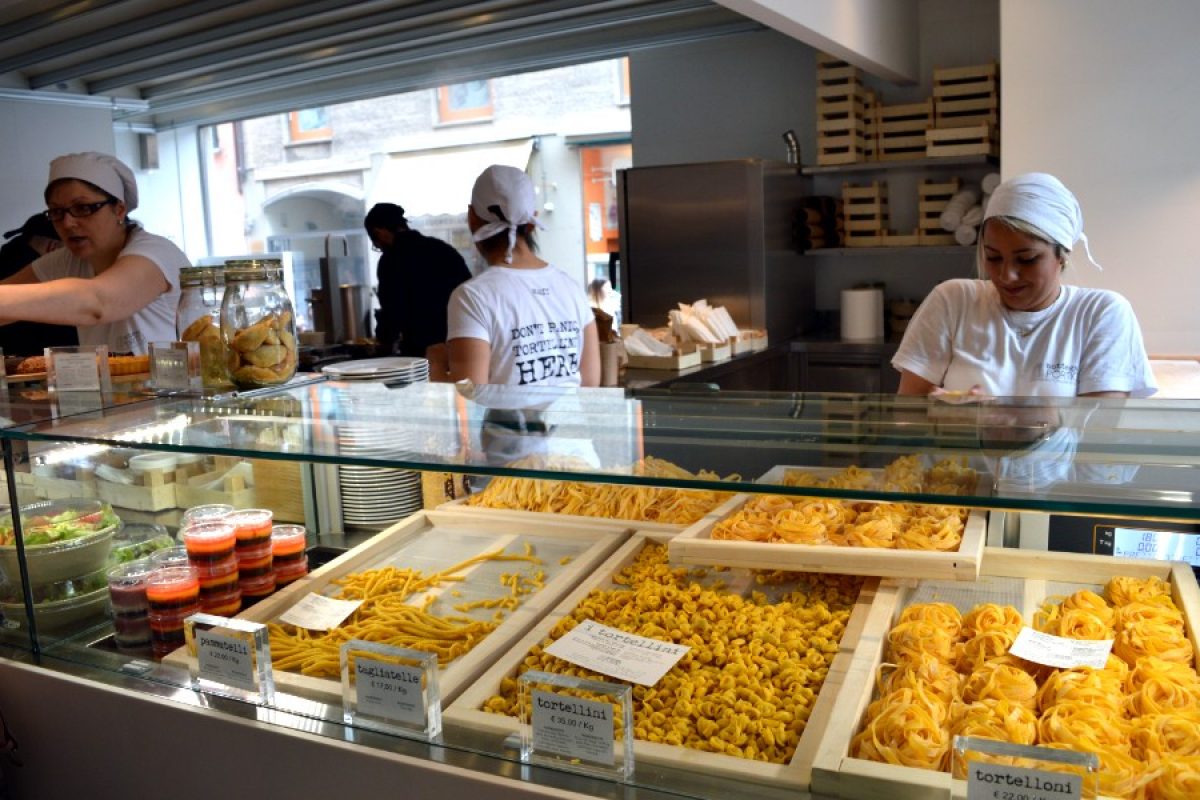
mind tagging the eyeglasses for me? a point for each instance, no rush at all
(78, 211)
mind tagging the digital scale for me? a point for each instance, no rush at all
(1154, 540)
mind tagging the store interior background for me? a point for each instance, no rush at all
(1097, 91)
(1092, 90)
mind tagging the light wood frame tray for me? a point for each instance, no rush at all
(696, 546)
(837, 774)
(597, 542)
(466, 713)
(459, 506)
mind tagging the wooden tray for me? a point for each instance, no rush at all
(837, 774)
(432, 540)
(465, 713)
(695, 546)
(677, 361)
(460, 506)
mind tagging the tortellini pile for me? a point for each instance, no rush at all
(747, 686)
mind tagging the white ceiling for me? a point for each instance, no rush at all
(176, 63)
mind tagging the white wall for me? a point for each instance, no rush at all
(1102, 93)
(171, 200)
(32, 134)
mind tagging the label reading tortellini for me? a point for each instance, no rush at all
(616, 653)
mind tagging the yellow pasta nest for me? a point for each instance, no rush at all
(610, 501)
(747, 685)
(1140, 713)
(904, 526)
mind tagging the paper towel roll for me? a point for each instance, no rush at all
(862, 314)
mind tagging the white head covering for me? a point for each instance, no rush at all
(1042, 201)
(98, 169)
(503, 198)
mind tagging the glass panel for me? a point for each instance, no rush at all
(1096, 456)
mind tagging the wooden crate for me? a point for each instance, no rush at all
(966, 96)
(837, 774)
(232, 489)
(279, 486)
(50, 487)
(865, 210)
(871, 128)
(537, 517)
(715, 353)
(932, 197)
(466, 713)
(158, 493)
(676, 361)
(695, 545)
(841, 113)
(433, 540)
(902, 130)
(972, 140)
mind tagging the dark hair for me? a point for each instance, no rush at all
(37, 225)
(388, 216)
(499, 242)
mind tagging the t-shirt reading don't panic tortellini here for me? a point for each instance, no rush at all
(533, 319)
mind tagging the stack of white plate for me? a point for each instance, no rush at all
(393, 369)
(378, 496)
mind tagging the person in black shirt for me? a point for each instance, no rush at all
(416, 275)
(25, 245)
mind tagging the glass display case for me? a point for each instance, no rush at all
(540, 506)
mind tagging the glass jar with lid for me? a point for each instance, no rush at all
(257, 324)
(198, 319)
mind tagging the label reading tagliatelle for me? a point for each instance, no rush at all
(1000, 782)
(1057, 651)
(316, 612)
(616, 653)
(572, 727)
(391, 691)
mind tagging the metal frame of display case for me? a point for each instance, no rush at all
(1033, 456)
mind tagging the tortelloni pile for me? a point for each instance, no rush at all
(952, 675)
(813, 521)
(747, 686)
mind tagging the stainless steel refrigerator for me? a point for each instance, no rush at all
(722, 231)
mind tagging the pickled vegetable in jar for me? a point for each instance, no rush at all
(257, 324)
(198, 319)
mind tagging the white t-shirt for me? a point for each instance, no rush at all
(1087, 341)
(533, 319)
(155, 322)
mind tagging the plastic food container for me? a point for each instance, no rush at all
(254, 565)
(226, 604)
(289, 560)
(63, 539)
(173, 595)
(217, 579)
(253, 526)
(255, 589)
(210, 512)
(139, 540)
(209, 542)
(145, 462)
(60, 603)
(170, 557)
(130, 609)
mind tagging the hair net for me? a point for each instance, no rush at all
(503, 198)
(1042, 201)
(99, 169)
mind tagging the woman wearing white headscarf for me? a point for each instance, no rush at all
(118, 284)
(521, 321)
(1022, 332)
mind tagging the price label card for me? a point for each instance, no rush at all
(616, 653)
(573, 727)
(175, 366)
(576, 724)
(391, 689)
(319, 613)
(225, 659)
(1000, 782)
(231, 657)
(75, 372)
(1056, 651)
